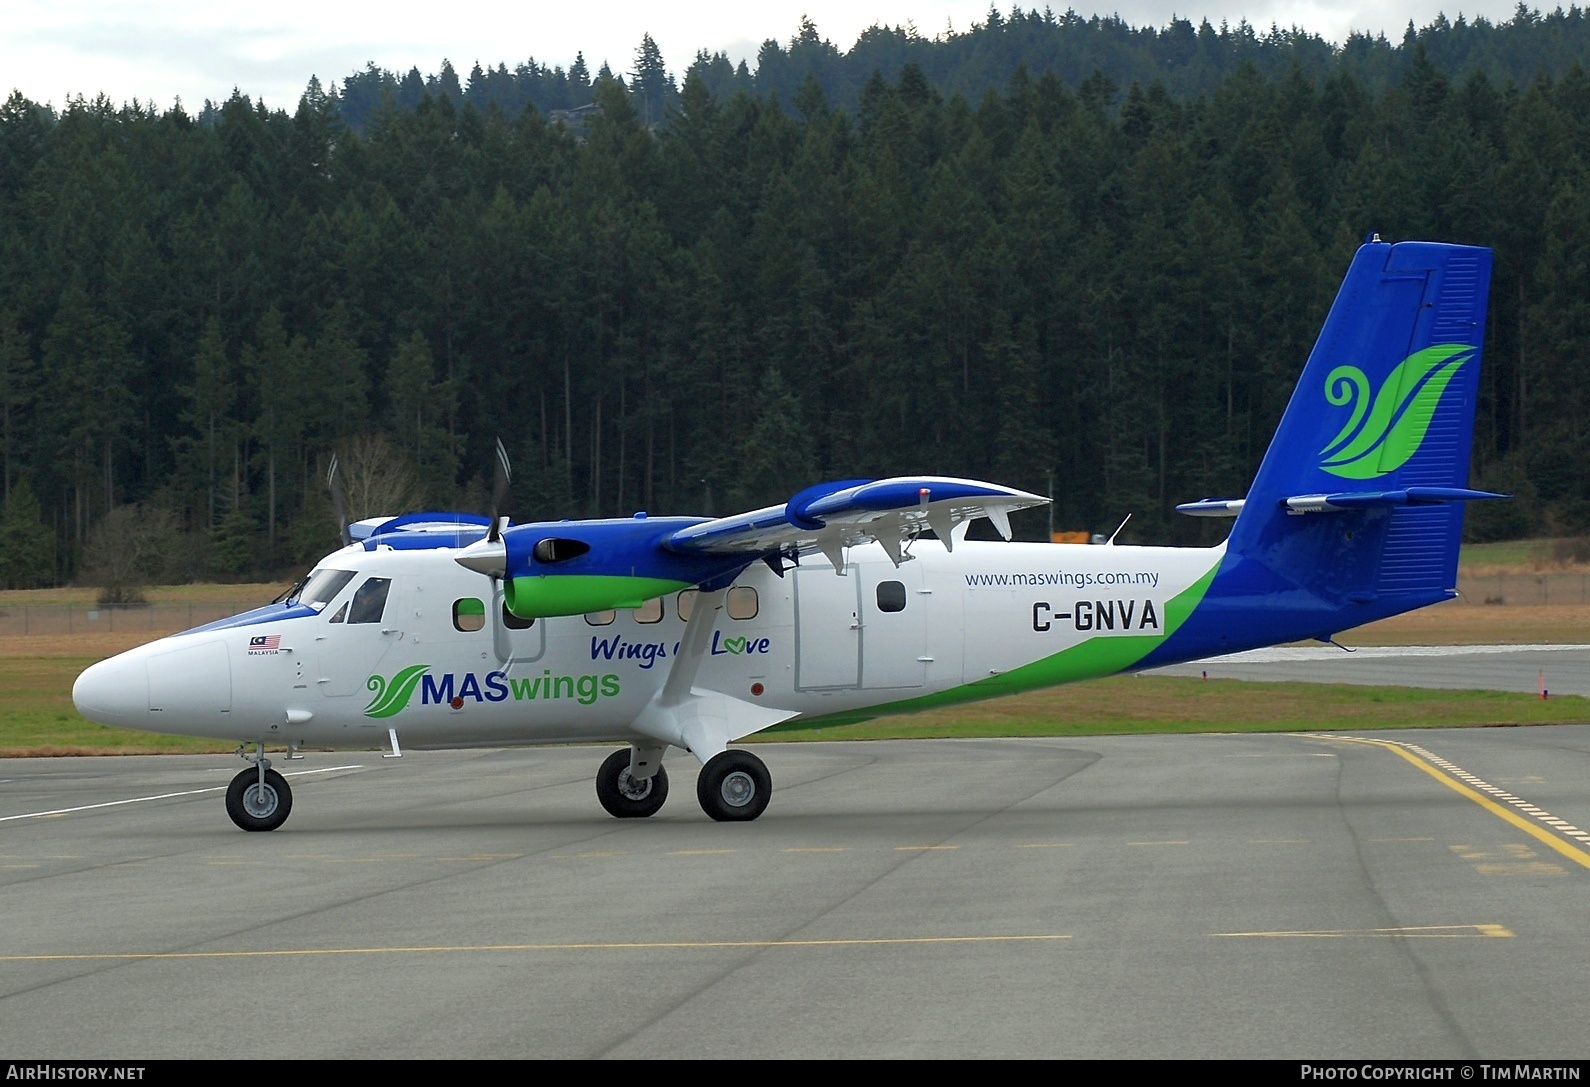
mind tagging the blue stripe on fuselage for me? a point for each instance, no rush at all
(1248, 606)
(270, 613)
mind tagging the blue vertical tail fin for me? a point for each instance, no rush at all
(1359, 500)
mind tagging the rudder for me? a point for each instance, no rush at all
(1377, 435)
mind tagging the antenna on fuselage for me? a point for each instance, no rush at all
(1111, 541)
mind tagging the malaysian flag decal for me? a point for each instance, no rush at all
(265, 643)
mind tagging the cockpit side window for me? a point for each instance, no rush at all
(323, 586)
(342, 613)
(369, 601)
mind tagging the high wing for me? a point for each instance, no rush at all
(830, 517)
(551, 568)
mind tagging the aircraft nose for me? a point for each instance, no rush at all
(113, 692)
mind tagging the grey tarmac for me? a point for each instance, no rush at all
(1563, 669)
(1290, 896)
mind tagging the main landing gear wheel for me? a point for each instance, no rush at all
(256, 807)
(734, 787)
(625, 796)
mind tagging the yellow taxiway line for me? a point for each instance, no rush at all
(1578, 856)
(688, 945)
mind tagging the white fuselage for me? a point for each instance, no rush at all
(812, 642)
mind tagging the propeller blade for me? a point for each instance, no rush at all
(339, 501)
(499, 492)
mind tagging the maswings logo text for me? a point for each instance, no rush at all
(454, 689)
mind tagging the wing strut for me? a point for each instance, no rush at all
(699, 720)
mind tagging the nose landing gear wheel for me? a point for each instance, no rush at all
(254, 807)
(734, 787)
(625, 796)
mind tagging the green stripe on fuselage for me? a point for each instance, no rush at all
(1095, 657)
(542, 596)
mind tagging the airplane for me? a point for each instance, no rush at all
(855, 598)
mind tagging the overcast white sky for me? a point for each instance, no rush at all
(160, 50)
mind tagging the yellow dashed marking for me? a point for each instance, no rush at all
(921, 848)
(818, 849)
(1521, 868)
(882, 941)
(1159, 843)
(1443, 932)
(700, 852)
(1528, 826)
(1517, 860)
(485, 857)
(1044, 845)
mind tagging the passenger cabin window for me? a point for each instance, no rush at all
(600, 618)
(369, 601)
(742, 602)
(891, 596)
(469, 615)
(513, 622)
(650, 612)
(686, 601)
(323, 587)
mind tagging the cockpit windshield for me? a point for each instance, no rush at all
(323, 586)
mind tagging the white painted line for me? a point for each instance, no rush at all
(110, 804)
(1379, 652)
(159, 796)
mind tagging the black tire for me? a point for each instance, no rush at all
(622, 795)
(252, 809)
(734, 787)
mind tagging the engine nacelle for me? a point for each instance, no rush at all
(577, 567)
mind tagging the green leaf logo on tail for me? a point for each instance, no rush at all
(1382, 437)
(391, 698)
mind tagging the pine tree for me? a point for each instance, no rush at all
(271, 363)
(27, 546)
(777, 456)
(209, 403)
(649, 81)
(418, 408)
(16, 394)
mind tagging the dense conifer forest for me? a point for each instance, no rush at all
(1049, 252)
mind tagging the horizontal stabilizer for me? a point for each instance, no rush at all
(833, 516)
(1407, 496)
(1213, 507)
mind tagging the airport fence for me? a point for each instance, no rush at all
(1532, 589)
(155, 619)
